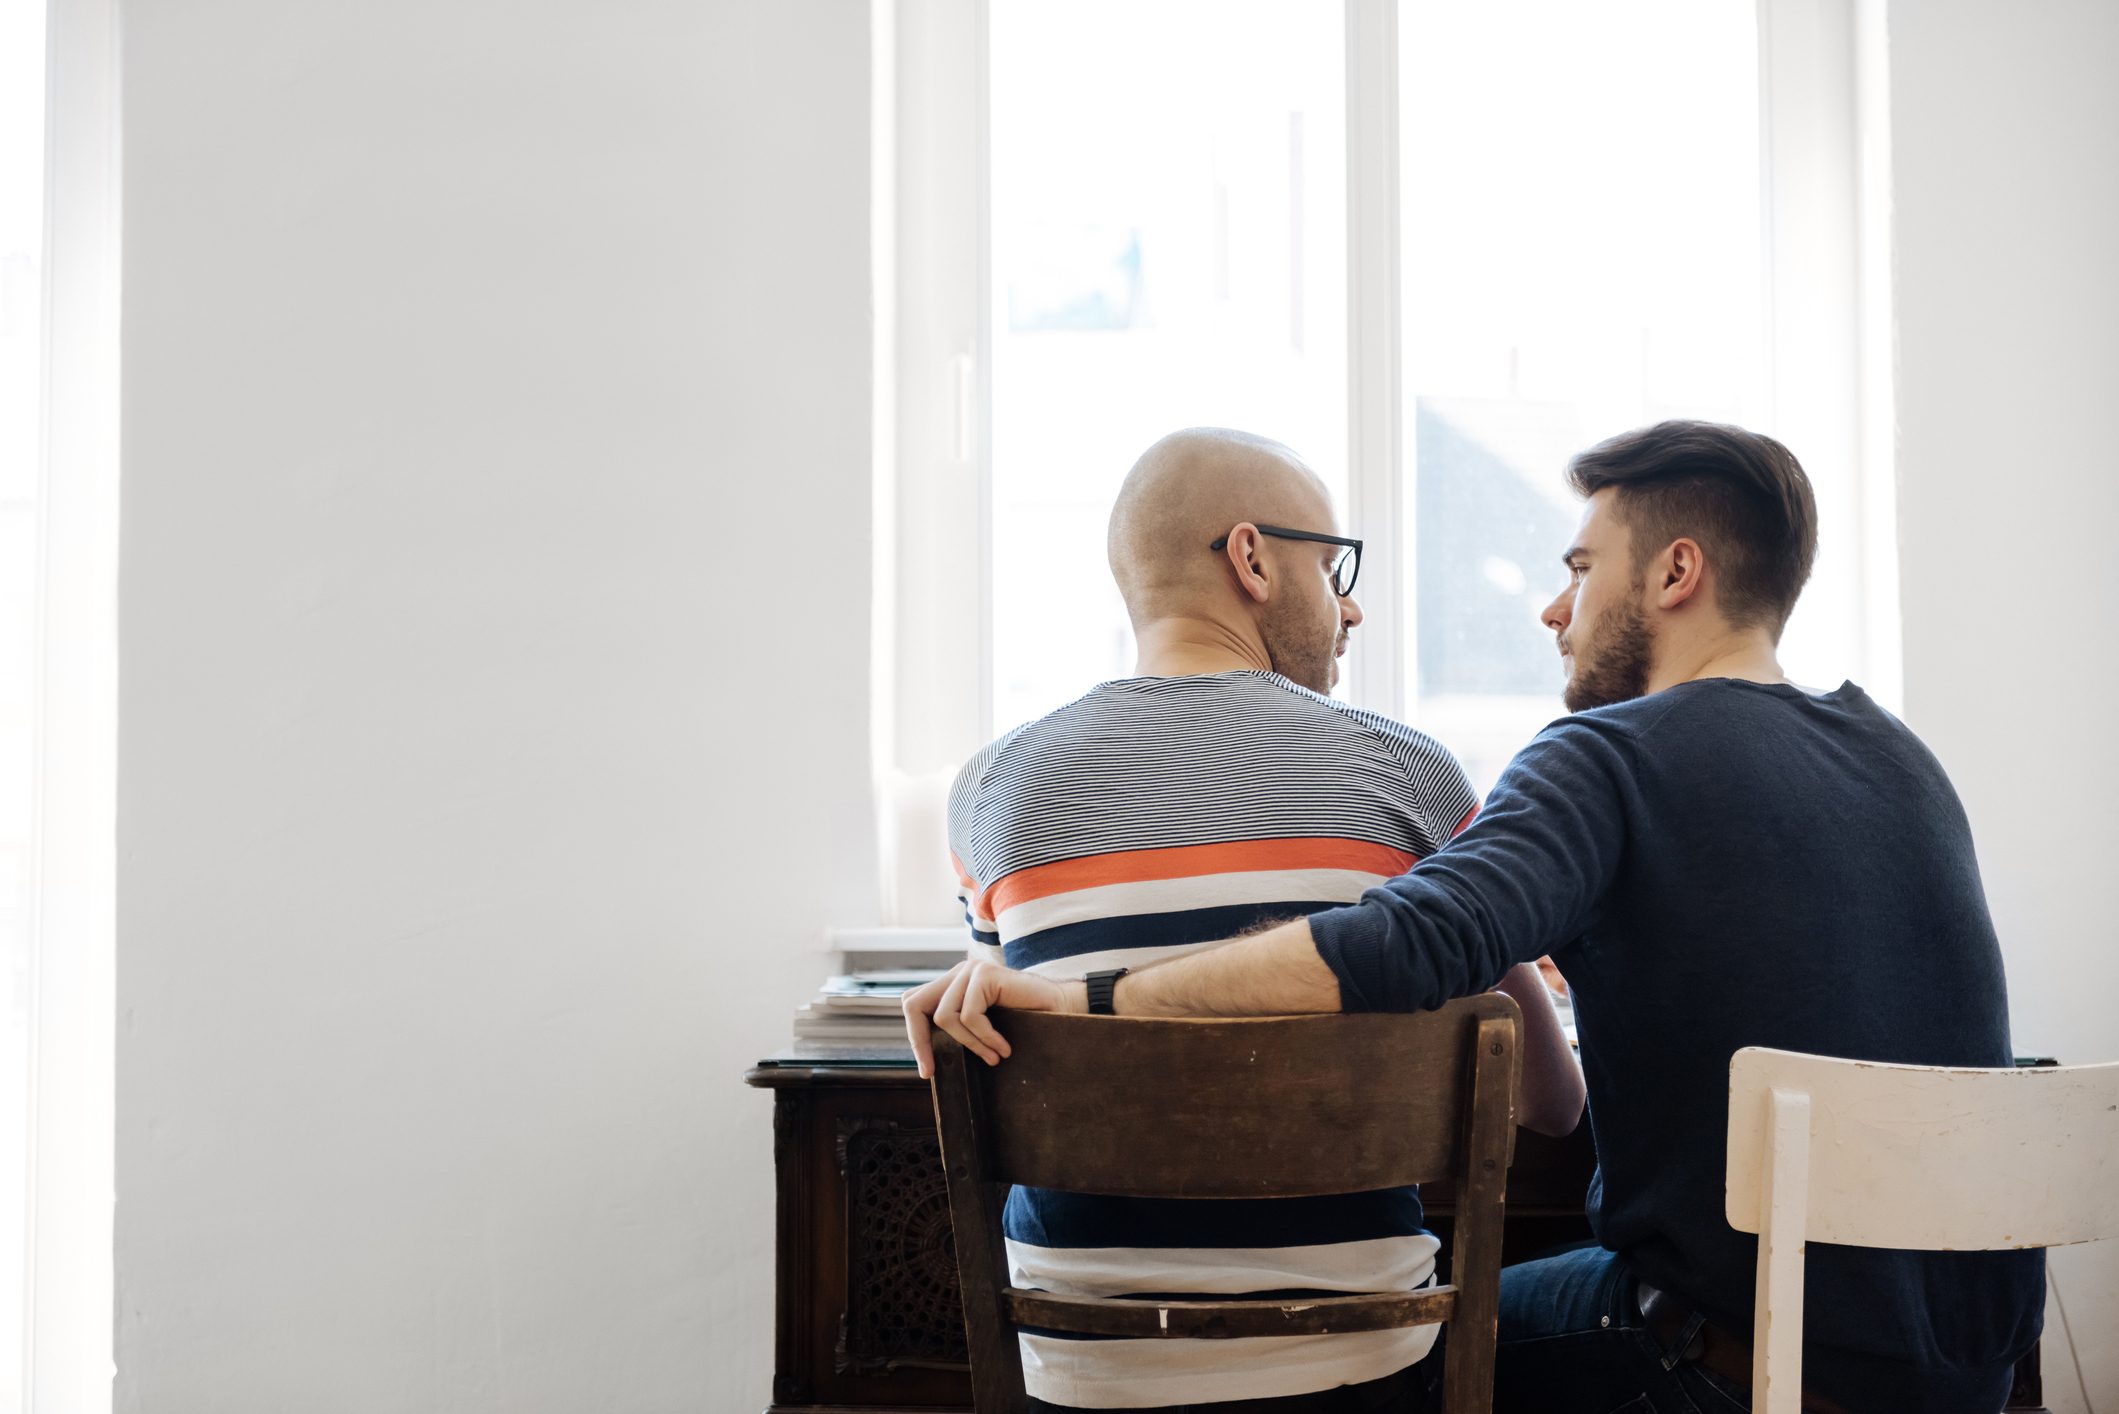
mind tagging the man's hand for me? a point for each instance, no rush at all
(959, 999)
(1275, 973)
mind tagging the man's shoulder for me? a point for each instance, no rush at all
(1402, 738)
(974, 770)
(1436, 786)
(1148, 703)
(1718, 706)
(1144, 711)
(1059, 723)
(1722, 726)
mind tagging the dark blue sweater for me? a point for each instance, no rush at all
(1720, 865)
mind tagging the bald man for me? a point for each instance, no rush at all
(1264, 597)
(1217, 791)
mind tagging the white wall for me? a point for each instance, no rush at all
(494, 704)
(2005, 123)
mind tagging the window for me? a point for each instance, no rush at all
(1581, 213)
(1170, 252)
(1435, 247)
(21, 361)
(58, 667)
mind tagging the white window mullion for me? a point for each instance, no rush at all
(1883, 659)
(933, 671)
(72, 984)
(1379, 498)
(1823, 394)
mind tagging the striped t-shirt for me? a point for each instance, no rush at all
(1148, 819)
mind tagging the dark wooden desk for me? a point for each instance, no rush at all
(867, 1317)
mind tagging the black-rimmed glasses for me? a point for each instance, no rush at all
(1345, 570)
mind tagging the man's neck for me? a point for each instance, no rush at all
(1747, 655)
(1181, 647)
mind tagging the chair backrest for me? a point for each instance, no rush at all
(1277, 1107)
(1918, 1157)
(1930, 1158)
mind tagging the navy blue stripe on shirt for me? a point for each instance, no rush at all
(1152, 930)
(1049, 1219)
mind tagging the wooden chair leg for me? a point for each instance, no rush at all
(1468, 1372)
(981, 1251)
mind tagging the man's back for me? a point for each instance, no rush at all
(1740, 864)
(1852, 923)
(1152, 816)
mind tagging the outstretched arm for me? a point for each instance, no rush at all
(1274, 973)
(1271, 973)
(1552, 1094)
(1279, 973)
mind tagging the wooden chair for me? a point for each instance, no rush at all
(1925, 1158)
(1278, 1107)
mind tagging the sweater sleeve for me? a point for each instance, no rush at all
(1524, 880)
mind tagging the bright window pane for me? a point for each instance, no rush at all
(21, 244)
(1169, 249)
(1581, 219)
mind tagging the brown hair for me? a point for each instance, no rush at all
(1741, 495)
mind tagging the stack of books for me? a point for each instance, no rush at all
(857, 1017)
(861, 1007)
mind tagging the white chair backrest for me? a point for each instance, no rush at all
(1933, 1158)
(1906, 1156)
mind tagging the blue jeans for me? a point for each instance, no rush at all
(1572, 1341)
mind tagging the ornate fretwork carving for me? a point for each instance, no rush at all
(903, 1308)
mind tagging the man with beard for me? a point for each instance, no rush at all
(1716, 858)
(1217, 790)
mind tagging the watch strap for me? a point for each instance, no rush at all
(1103, 987)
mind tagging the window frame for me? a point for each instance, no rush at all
(1826, 314)
(70, 1130)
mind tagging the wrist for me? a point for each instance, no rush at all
(1074, 998)
(1102, 988)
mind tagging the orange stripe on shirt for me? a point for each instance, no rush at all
(1189, 861)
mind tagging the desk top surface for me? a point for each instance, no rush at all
(835, 1063)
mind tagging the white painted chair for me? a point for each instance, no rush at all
(1924, 1158)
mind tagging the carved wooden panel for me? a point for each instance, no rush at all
(903, 1308)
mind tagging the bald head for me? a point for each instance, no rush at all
(1186, 491)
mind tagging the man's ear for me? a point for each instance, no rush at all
(1679, 573)
(1246, 553)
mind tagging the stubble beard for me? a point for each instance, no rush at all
(1618, 664)
(1296, 651)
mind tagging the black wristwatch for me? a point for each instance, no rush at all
(1103, 986)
